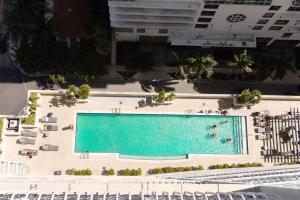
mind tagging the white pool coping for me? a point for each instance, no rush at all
(118, 156)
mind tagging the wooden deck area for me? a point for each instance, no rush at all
(277, 143)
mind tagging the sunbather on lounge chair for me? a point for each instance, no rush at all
(26, 152)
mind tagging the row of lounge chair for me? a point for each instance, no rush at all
(46, 147)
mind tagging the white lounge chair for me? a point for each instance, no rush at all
(25, 152)
(260, 130)
(46, 119)
(51, 128)
(28, 133)
(263, 137)
(49, 147)
(26, 141)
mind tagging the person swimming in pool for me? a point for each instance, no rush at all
(215, 135)
(214, 126)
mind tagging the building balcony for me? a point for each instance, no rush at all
(156, 4)
(243, 2)
(159, 25)
(145, 18)
(152, 11)
(212, 40)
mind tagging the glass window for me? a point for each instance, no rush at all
(263, 21)
(140, 30)
(287, 35)
(275, 28)
(212, 6)
(163, 31)
(282, 22)
(257, 27)
(201, 26)
(268, 15)
(274, 7)
(202, 19)
(208, 13)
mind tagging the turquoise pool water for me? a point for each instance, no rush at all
(158, 135)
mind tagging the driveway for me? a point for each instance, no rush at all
(13, 89)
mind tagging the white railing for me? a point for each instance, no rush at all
(9, 168)
(261, 176)
(165, 195)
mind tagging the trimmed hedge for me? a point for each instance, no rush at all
(108, 172)
(130, 172)
(1, 128)
(79, 172)
(173, 169)
(227, 166)
(30, 119)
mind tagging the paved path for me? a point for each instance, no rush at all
(205, 87)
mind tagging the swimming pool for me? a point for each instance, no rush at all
(159, 135)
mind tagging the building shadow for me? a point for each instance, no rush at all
(157, 86)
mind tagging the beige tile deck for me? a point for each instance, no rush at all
(45, 163)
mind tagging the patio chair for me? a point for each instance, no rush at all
(295, 152)
(28, 133)
(25, 152)
(49, 147)
(26, 141)
(260, 130)
(51, 128)
(263, 137)
(268, 152)
(46, 119)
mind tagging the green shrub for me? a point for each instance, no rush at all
(162, 96)
(57, 79)
(84, 91)
(30, 119)
(130, 172)
(79, 172)
(227, 166)
(1, 128)
(174, 169)
(108, 172)
(250, 96)
(80, 93)
(33, 96)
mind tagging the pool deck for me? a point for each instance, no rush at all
(45, 163)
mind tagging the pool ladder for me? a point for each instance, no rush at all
(116, 110)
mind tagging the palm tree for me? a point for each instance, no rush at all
(195, 67)
(202, 66)
(184, 66)
(243, 61)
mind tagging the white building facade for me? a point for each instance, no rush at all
(211, 23)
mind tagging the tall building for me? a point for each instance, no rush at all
(211, 23)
